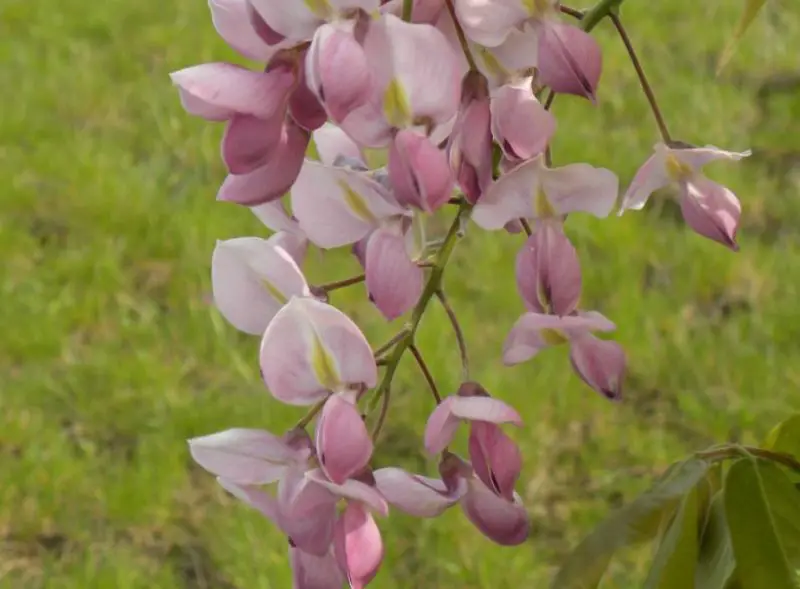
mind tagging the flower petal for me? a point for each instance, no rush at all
(581, 187)
(697, 157)
(244, 456)
(255, 498)
(311, 348)
(502, 521)
(441, 427)
(295, 20)
(394, 282)
(548, 271)
(333, 143)
(419, 172)
(711, 210)
(512, 196)
(231, 19)
(274, 216)
(344, 446)
(601, 364)
(414, 494)
(249, 142)
(495, 457)
(252, 279)
(489, 23)
(308, 512)
(486, 409)
(570, 60)
(520, 124)
(314, 572)
(469, 147)
(358, 545)
(272, 180)
(650, 177)
(338, 206)
(217, 91)
(354, 490)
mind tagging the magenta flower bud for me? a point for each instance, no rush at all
(520, 124)
(504, 522)
(548, 271)
(343, 443)
(394, 281)
(358, 545)
(261, 28)
(304, 107)
(570, 60)
(711, 210)
(495, 457)
(601, 364)
(419, 171)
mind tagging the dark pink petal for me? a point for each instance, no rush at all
(294, 20)
(304, 107)
(414, 494)
(217, 91)
(570, 61)
(308, 512)
(232, 21)
(251, 279)
(337, 70)
(520, 124)
(311, 348)
(266, 33)
(419, 171)
(495, 458)
(272, 180)
(249, 142)
(352, 490)
(600, 363)
(711, 210)
(245, 456)
(470, 145)
(505, 522)
(344, 445)
(393, 280)
(314, 572)
(548, 271)
(358, 545)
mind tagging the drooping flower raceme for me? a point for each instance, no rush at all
(356, 129)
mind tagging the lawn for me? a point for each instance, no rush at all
(111, 355)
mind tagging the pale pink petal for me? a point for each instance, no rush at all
(255, 498)
(250, 142)
(353, 490)
(419, 172)
(232, 21)
(520, 50)
(581, 188)
(489, 23)
(274, 216)
(358, 545)
(650, 177)
(520, 124)
(345, 6)
(308, 512)
(441, 427)
(422, 11)
(481, 408)
(548, 271)
(344, 446)
(510, 197)
(217, 91)
(333, 143)
(265, 32)
(414, 494)
(311, 348)
(273, 180)
(315, 572)
(294, 243)
(251, 279)
(711, 210)
(394, 282)
(495, 457)
(295, 20)
(409, 82)
(244, 456)
(367, 125)
(338, 206)
(697, 157)
(502, 521)
(600, 363)
(570, 60)
(337, 70)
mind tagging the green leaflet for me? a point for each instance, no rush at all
(760, 558)
(785, 437)
(715, 561)
(675, 561)
(751, 10)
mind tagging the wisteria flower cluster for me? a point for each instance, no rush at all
(449, 91)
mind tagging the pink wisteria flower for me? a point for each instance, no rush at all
(709, 208)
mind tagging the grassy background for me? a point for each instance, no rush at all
(111, 356)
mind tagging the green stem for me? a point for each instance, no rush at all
(331, 286)
(462, 38)
(727, 452)
(408, 5)
(311, 414)
(601, 10)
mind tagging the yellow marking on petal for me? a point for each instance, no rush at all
(323, 365)
(356, 203)
(320, 8)
(536, 7)
(491, 63)
(273, 290)
(553, 337)
(542, 205)
(395, 105)
(677, 169)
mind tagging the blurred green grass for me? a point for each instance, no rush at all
(111, 356)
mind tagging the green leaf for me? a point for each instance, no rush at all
(785, 437)
(751, 10)
(636, 522)
(784, 503)
(674, 564)
(760, 558)
(715, 561)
